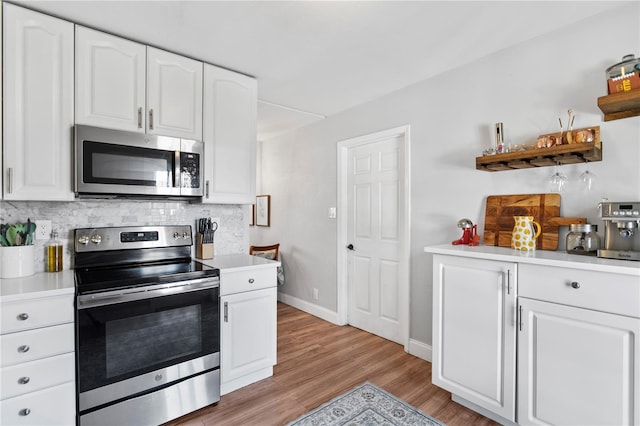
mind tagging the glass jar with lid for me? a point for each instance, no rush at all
(629, 64)
(583, 239)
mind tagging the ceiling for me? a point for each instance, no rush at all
(313, 59)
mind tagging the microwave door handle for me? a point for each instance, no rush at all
(177, 170)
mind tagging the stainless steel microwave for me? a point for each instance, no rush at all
(115, 163)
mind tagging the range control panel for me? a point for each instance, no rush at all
(132, 237)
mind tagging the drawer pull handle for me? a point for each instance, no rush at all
(24, 412)
(24, 380)
(251, 280)
(23, 348)
(23, 316)
(575, 284)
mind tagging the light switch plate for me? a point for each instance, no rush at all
(332, 212)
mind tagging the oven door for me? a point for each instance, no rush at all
(141, 341)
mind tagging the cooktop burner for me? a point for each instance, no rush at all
(108, 259)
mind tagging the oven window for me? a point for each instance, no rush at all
(127, 165)
(124, 340)
(136, 342)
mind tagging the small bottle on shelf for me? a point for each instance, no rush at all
(54, 253)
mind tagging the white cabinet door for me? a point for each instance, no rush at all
(577, 366)
(230, 109)
(38, 105)
(248, 333)
(110, 81)
(174, 95)
(474, 331)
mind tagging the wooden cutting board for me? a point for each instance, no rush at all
(545, 209)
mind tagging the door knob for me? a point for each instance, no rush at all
(350, 247)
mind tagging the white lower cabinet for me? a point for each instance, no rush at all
(248, 327)
(474, 334)
(578, 339)
(578, 359)
(37, 363)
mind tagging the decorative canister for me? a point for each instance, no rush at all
(17, 261)
(525, 232)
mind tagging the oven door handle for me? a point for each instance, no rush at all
(110, 298)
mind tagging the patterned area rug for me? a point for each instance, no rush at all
(367, 405)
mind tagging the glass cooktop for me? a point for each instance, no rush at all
(108, 278)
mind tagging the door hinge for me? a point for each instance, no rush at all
(226, 311)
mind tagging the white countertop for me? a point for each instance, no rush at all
(42, 284)
(238, 262)
(540, 257)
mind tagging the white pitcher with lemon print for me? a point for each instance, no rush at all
(525, 232)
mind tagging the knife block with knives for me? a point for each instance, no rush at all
(204, 239)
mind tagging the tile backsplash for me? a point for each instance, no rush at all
(231, 236)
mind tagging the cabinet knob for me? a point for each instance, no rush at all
(251, 280)
(575, 284)
(23, 348)
(24, 380)
(24, 412)
(23, 316)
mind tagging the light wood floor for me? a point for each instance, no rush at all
(318, 361)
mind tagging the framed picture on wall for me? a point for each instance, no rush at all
(252, 219)
(263, 210)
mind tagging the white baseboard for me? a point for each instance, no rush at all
(309, 308)
(420, 349)
(416, 347)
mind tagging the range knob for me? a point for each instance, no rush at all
(83, 239)
(96, 239)
(185, 235)
(176, 235)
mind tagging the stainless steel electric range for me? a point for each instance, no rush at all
(147, 326)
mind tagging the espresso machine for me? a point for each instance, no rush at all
(621, 230)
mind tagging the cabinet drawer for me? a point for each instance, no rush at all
(51, 406)
(27, 314)
(35, 344)
(602, 291)
(247, 280)
(36, 375)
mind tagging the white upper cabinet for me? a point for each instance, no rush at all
(110, 81)
(124, 85)
(230, 110)
(174, 95)
(37, 105)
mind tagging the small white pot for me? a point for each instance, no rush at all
(17, 261)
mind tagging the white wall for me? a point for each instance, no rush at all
(526, 87)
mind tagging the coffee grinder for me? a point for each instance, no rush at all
(621, 230)
(469, 233)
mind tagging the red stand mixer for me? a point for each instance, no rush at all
(469, 233)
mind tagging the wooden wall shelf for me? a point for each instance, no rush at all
(543, 157)
(620, 105)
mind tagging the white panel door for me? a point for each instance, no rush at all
(110, 81)
(230, 109)
(577, 366)
(373, 233)
(174, 95)
(248, 333)
(474, 333)
(38, 105)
